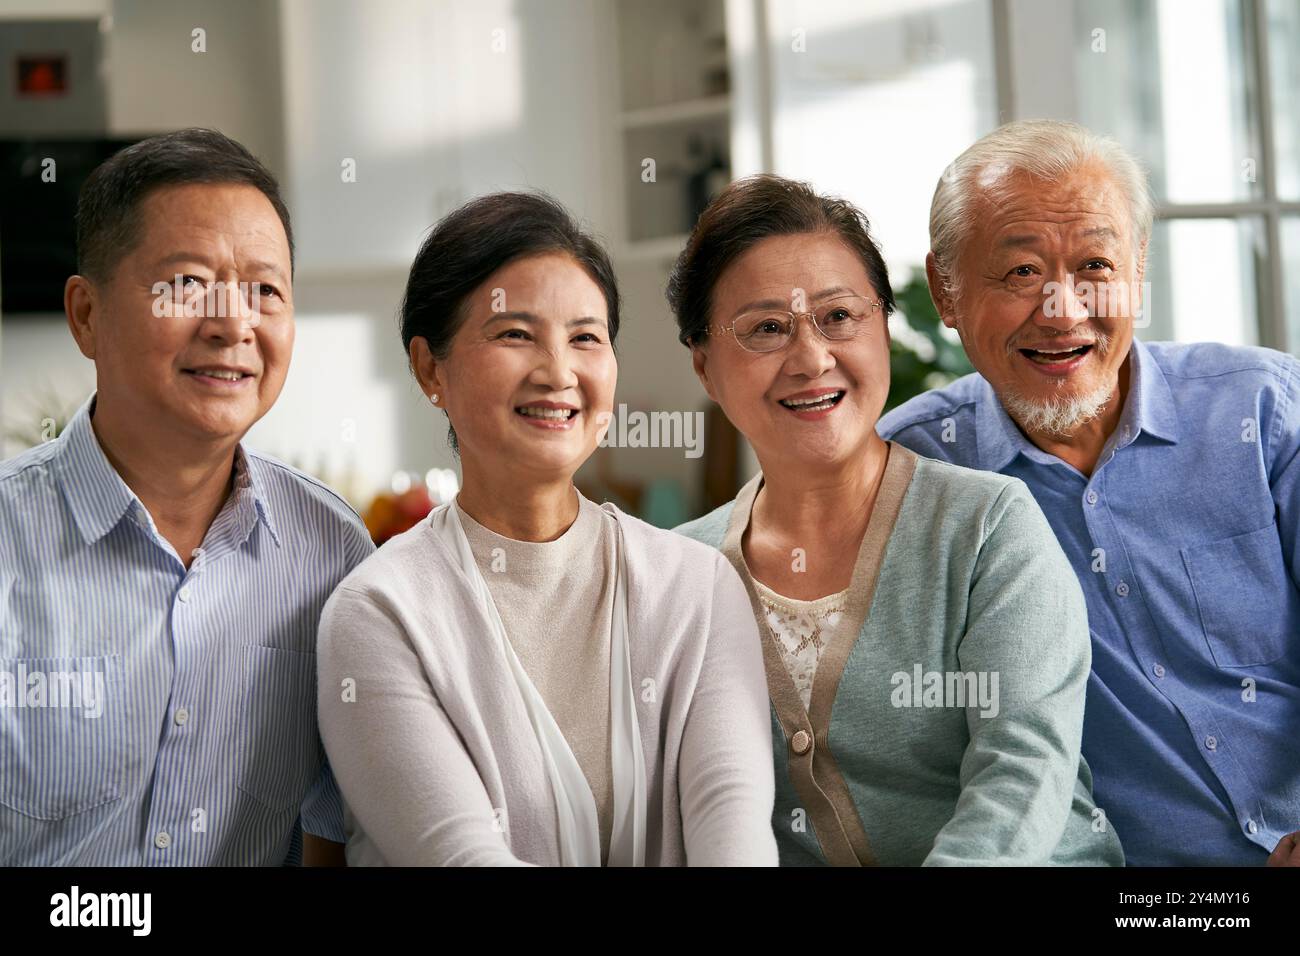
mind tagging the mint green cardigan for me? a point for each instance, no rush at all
(959, 574)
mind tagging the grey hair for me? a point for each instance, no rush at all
(1045, 149)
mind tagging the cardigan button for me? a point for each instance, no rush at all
(800, 742)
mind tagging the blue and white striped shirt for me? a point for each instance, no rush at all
(153, 715)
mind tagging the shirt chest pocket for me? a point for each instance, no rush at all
(62, 750)
(280, 743)
(1244, 597)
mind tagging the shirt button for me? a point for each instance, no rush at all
(181, 717)
(1211, 742)
(1159, 670)
(800, 742)
(1091, 497)
(1251, 826)
(1122, 589)
(184, 593)
(163, 840)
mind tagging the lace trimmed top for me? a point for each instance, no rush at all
(802, 630)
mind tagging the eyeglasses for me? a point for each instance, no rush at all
(767, 330)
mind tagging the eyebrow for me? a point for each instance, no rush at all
(784, 306)
(1015, 242)
(270, 267)
(1101, 232)
(532, 319)
(257, 264)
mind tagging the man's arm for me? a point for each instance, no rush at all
(1284, 470)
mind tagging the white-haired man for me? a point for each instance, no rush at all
(1170, 473)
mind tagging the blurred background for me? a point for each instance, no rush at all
(436, 101)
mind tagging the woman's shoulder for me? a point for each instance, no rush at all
(678, 550)
(956, 499)
(677, 579)
(399, 562)
(710, 529)
(958, 486)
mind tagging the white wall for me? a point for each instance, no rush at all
(155, 83)
(432, 113)
(437, 102)
(53, 9)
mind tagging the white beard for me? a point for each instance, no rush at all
(1060, 416)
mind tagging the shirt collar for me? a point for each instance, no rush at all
(95, 491)
(99, 497)
(249, 496)
(1148, 408)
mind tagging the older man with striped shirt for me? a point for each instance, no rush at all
(160, 584)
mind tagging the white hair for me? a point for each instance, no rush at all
(1059, 416)
(1045, 149)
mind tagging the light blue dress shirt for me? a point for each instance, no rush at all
(1185, 539)
(149, 714)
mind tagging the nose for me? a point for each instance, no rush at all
(228, 315)
(554, 370)
(1062, 308)
(808, 353)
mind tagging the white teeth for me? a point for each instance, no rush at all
(826, 399)
(220, 373)
(558, 414)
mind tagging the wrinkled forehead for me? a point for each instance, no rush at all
(1085, 203)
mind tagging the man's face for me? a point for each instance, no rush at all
(209, 361)
(1049, 281)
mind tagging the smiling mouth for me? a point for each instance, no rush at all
(224, 375)
(820, 403)
(546, 414)
(1054, 357)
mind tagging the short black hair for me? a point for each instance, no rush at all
(472, 242)
(108, 224)
(743, 214)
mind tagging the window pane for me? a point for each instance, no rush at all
(1203, 284)
(870, 101)
(1284, 67)
(1170, 80)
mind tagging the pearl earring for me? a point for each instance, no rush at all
(433, 399)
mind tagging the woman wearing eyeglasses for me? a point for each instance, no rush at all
(924, 637)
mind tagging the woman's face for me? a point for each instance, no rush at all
(529, 380)
(757, 389)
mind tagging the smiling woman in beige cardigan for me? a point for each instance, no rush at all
(526, 677)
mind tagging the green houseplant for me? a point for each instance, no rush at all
(924, 358)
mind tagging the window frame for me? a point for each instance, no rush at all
(1272, 321)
